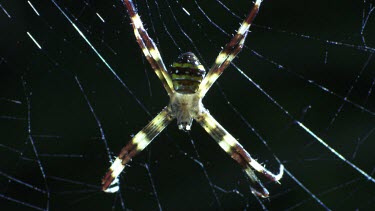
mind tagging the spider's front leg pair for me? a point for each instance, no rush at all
(186, 85)
(225, 140)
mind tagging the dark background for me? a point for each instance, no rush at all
(312, 58)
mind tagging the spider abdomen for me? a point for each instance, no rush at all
(187, 73)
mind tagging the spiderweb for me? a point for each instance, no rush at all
(75, 88)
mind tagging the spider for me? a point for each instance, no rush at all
(186, 85)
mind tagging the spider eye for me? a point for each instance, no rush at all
(187, 73)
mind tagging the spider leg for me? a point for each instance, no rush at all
(231, 146)
(137, 144)
(149, 48)
(229, 52)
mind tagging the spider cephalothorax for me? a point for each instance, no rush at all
(185, 108)
(186, 85)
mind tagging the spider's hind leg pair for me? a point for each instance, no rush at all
(186, 85)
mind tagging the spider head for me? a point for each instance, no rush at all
(184, 119)
(184, 126)
(187, 73)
